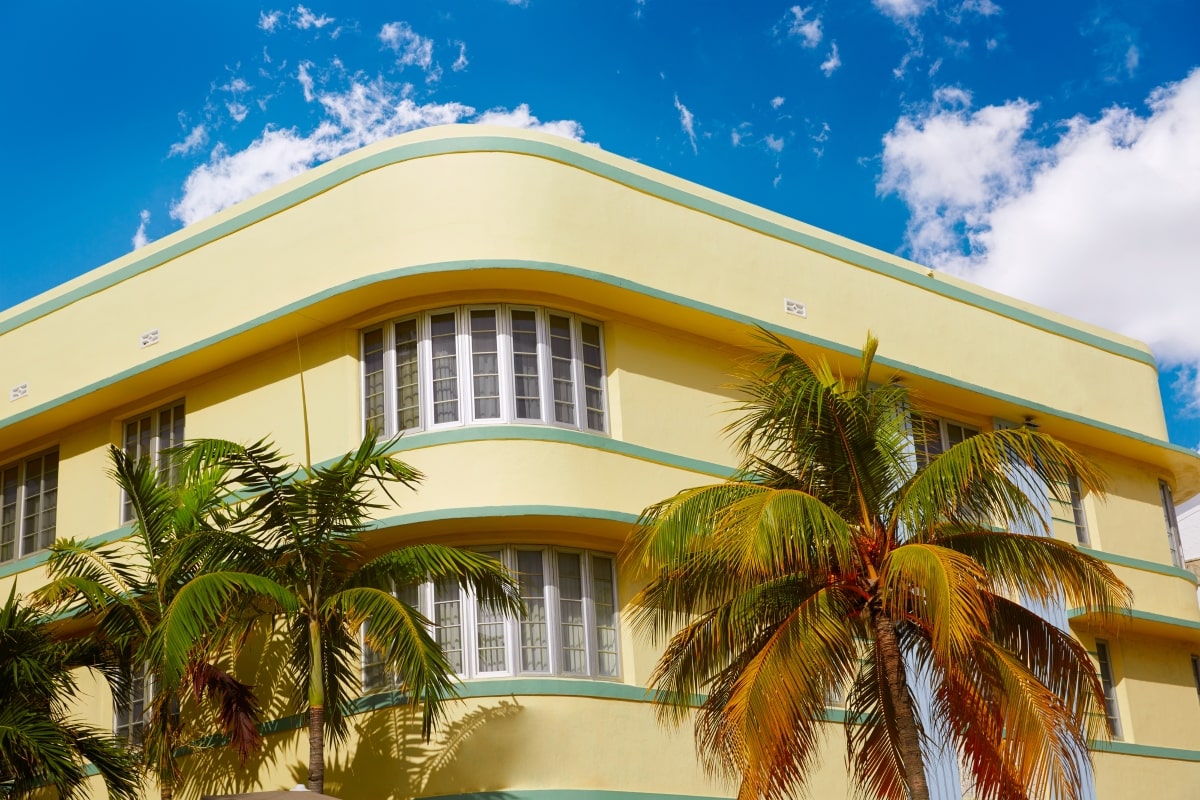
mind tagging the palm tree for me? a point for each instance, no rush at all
(837, 559)
(305, 530)
(39, 744)
(128, 589)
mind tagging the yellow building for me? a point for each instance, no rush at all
(552, 326)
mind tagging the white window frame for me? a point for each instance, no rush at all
(125, 727)
(14, 512)
(1108, 680)
(1078, 512)
(155, 445)
(943, 423)
(464, 378)
(1172, 523)
(469, 619)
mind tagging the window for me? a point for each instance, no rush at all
(150, 436)
(1168, 506)
(933, 436)
(1196, 673)
(1111, 711)
(569, 627)
(1077, 512)
(129, 720)
(28, 505)
(480, 364)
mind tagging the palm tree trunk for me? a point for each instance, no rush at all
(316, 710)
(316, 749)
(892, 661)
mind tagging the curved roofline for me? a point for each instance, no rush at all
(460, 139)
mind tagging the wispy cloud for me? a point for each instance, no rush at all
(461, 62)
(799, 25)
(1043, 222)
(984, 8)
(774, 143)
(410, 47)
(739, 133)
(903, 12)
(304, 19)
(140, 239)
(777, 102)
(1116, 45)
(269, 20)
(687, 122)
(196, 139)
(832, 61)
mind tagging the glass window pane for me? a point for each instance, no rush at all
(535, 644)
(491, 635)
(593, 375)
(526, 385)
(1077, 512)
(444, 342)
(447, 621)
(408, 385)
(1111, 708)
(605, 601)
(562, 369)
(8, 514)
(570, 609)
(485, 364)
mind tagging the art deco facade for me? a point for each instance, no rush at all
(552, 328)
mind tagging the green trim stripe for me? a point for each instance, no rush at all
(548, 433)
(1143, 616)
(1145, 750)
(1140, 564)
(401, 152)
(599, 277)
(482, 512)
(569, 794)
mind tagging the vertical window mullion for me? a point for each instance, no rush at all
(545, 379)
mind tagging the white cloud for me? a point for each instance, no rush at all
(268, 21)
(361, 113)
(738, 134)
(520, 117)
(992, 44)
(903, 12)
(461, 62)
(140, 239)
(191, 143)
(832, 61)
(774, 143)
(808, 31)
(304, 19)
(410, 47)
(687, 122)
(984, 8)
(238, 111)
(1100, 225)
(777, 102)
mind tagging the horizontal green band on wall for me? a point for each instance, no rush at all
(491, 512)
(1140, 563)
(1145, 750)
(540, 266)
(516, 145)
(549, 433)
(1143, 616)
(569, 794)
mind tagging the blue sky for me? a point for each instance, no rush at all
(1048, 150)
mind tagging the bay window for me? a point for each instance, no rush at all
(481, 364)
(569, 627)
